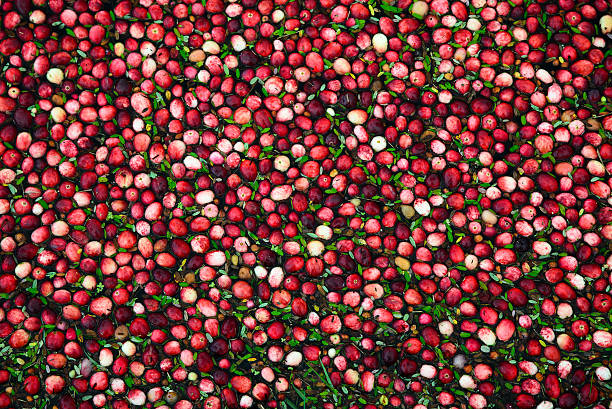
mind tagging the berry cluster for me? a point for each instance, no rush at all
(291, 204)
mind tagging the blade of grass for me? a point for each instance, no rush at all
(290, 404)
(301, 395)
(329, 383)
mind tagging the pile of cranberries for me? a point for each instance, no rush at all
(335, 204)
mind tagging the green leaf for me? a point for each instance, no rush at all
(388, 7)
